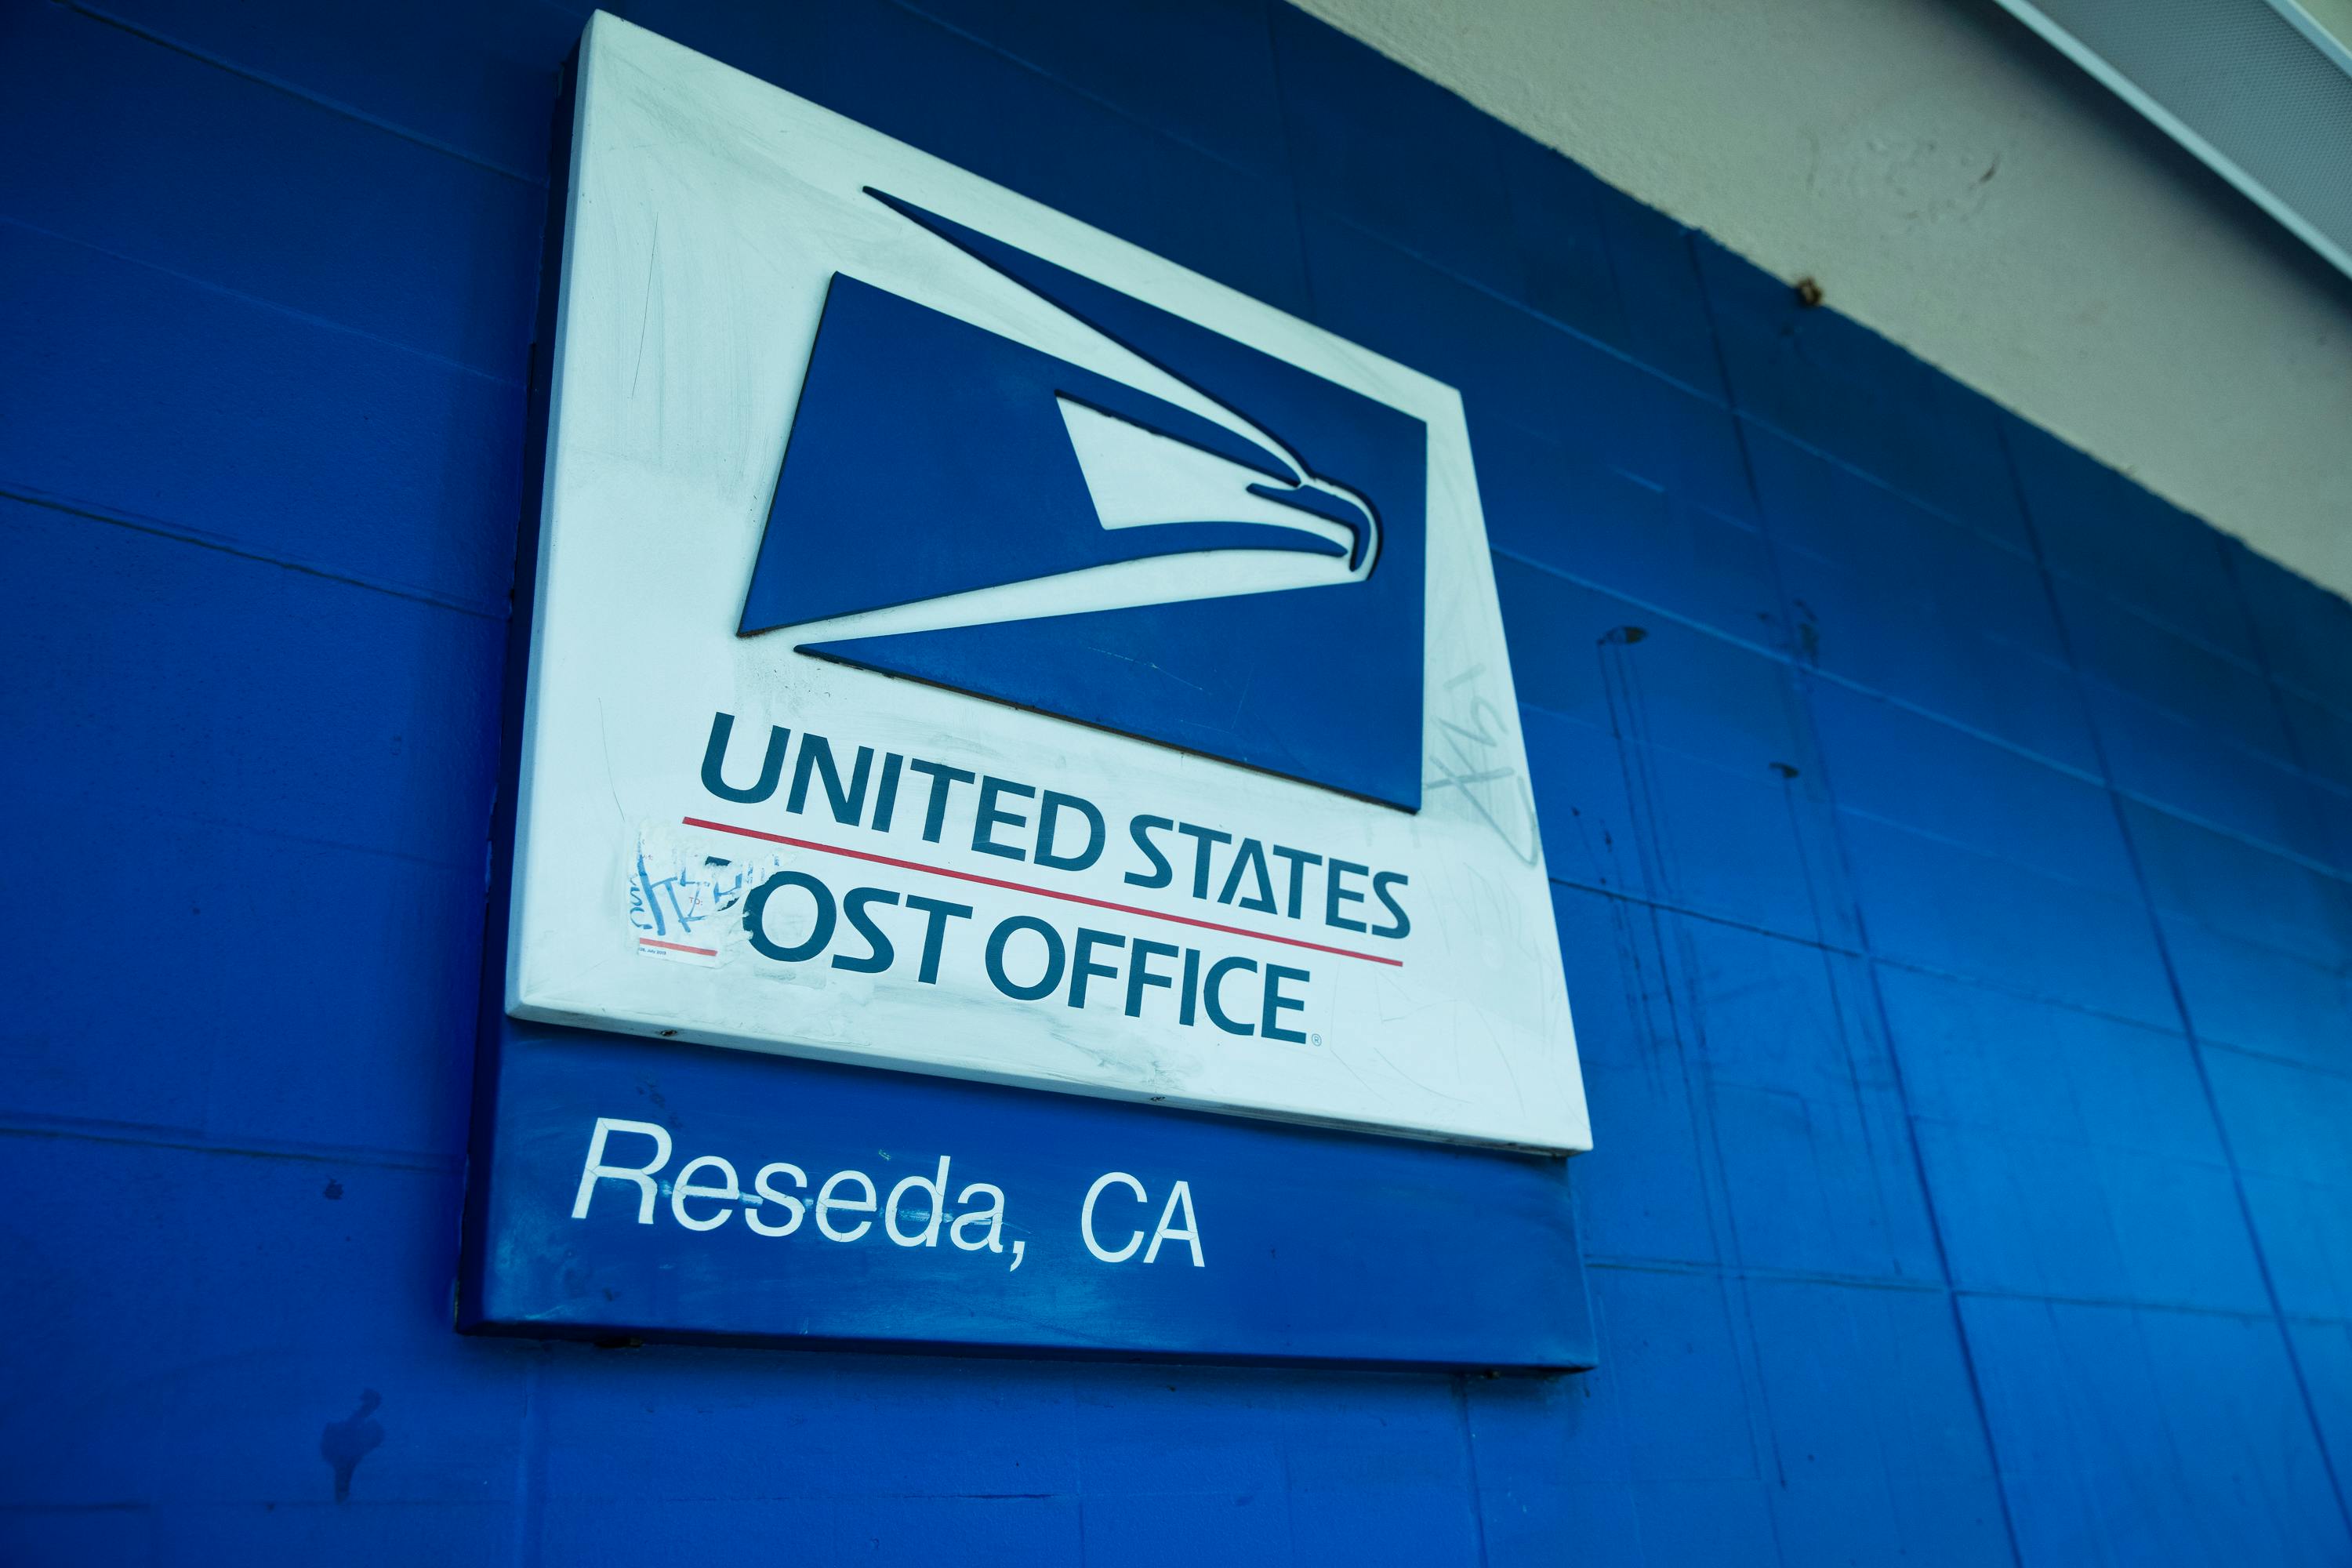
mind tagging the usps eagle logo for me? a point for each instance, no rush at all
(1211, 549)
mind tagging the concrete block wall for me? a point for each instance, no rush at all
(1953, 850)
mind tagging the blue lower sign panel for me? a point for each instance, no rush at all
(644, 1188)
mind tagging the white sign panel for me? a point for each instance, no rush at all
(966, 643)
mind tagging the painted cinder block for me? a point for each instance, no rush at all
(1600, 262)
(319, 1285)
(1944, 908)
(2321, 740)
(1514, 365)
(1874, 1440)
(2219, 694)
(2156, 756)
(301, 802)
(1576, 778)
(1836, 386)
(1427, 175)
(1718, 805)
(470, 77)
(1204, 73)
(1653, 1201)
(2323, 1353)
(2305, 632)
(1567, 506)
(166, 159)
(2285, 1121)
(2068, 1154)
(316, 712)
(2240, 889)
(2258, 999)
(2097, 530)
(176, 406)
(1601, 660)
(1802, 1107)
(1703, 1494)
(1896, 765)
(1898, 600)
(192, 1309)
(2188, 1408)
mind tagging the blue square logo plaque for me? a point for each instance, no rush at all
(964, 643)
(1020, 469)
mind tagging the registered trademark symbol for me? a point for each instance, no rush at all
(1314, 1040)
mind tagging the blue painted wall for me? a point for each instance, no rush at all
(1952, 847)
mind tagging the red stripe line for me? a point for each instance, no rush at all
(1041, 892)
(677, 947)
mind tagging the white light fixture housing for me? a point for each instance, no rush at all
(2259, 90)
